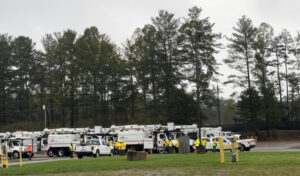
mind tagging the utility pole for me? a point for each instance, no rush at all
(218, 105)
(44, 108)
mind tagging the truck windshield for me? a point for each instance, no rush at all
(88, 142)
(16, 143)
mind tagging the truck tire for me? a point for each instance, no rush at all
(50, 153)
(79, 156)
(248, 149)
(16, 155)
(242, 148)
(97, 154)
(61, 152)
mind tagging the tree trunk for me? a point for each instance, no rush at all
(279, 85)
(287, 88)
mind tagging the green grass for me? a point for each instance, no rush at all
(251, 163)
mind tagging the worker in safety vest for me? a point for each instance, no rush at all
(117, 146)
(167, 146)
(29, 151)
(170, 146)
(177, 146)
(122, 148)
(214, 145)
(204, 143)
(71, 150)
(197, 143)
(164, 144)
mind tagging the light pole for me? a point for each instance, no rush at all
(219, 114)
(44, 108)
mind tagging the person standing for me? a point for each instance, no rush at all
(170, 146)
(214, 145)
(71, 150)
(29, 152)
(204, 144)
(167, 146)
(117, 148)
(177, 146)
(164, 145)
(124, 147)
(197, 143)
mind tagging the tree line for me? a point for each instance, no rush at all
(165, 72)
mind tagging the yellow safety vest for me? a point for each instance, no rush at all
(71, 148)
(203, 142)
(214, 143)
(177, 144)
(197, 143)
(110, 143)
(117, 145)
(170, 143)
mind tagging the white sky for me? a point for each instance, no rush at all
(119, 18)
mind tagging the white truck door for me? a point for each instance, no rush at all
(104, 148)
(209, 144)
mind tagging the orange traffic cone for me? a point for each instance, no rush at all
(34, 155)
(74, 155)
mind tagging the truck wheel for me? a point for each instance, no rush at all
(97, 154)
(242, 148)
(16, 154)
(50, 153)
(79, 156)
(61, 152)
(248, 149)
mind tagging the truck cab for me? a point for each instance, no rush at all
(93, 147)
(209, 142)
(14, 145)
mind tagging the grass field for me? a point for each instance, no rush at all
(251, 163)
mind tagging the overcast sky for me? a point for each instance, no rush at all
(119, 18)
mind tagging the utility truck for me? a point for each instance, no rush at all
(209, 143)
(58, 144)
(150, 137)
(93, 147)
(244, 144)
(15, 144)
(142, 140)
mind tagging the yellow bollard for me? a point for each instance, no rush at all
(20, 156)
(222, 160)
(236, 148)
(4, 160)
